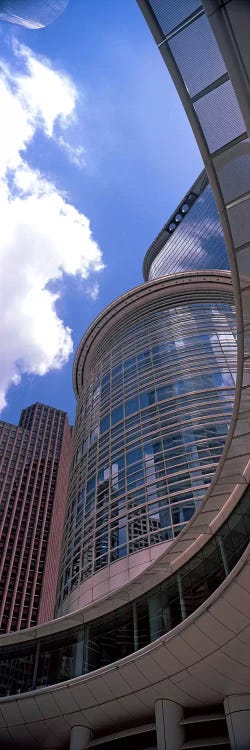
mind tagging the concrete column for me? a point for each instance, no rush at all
(79, 737)
(237, 712)
(170, 736)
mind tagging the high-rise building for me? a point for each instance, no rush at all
(33, 14)
(154, 380)
(157, 654)
(34, 466)
(197, 245)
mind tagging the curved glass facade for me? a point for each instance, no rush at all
(151, 425)
(34, 14)
(49, 660)
(197, 242)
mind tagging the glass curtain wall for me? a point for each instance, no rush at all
(150, 429)
(196, 242)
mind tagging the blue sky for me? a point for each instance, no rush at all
(98, 154)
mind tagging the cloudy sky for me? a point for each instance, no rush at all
(95, 153)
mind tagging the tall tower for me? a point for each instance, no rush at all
(34, 466)
(154, 379)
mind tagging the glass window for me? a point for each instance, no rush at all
(105, 423)
(105, 387)
(117, 414)
(147, 398)
(134, 455)
(165, 391)
(17, 669)
(171, 608)
(94, 434)
(131, 406)
(111, 639)
(85, 445)
(57, 659)
(91, 484)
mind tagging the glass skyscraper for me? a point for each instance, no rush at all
(191, 239)
(154, 378)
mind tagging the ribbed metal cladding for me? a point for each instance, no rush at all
(170, 14)
(151, 423)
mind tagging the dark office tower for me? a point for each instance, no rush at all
(154, 379)
(34, 14)
(191, 239)
(34, 466)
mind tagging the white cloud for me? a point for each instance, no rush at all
(76, 154)
(93, 291)
(47, 93)
(42, 235)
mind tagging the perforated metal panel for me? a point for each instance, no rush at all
(239, 216)
(198, 70)
(233, 169)
(243, 261)
(169, 14)
(220, 116)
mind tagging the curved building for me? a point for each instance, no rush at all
(191, 239)
(159, 656)
(154, 379)
(33, 14)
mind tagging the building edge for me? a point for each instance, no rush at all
(48, 594)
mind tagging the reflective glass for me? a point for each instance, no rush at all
(159, 437)
(197, 243)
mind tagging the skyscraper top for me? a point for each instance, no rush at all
(192, 237)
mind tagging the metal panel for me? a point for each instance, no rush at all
(169, 14)
(220, 116)
(188, 46)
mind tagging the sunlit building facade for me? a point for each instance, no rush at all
(34, 467)
(155, 392)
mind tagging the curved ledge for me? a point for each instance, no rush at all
(133, 626)
(200, 661)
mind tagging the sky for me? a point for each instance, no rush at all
(95, 154)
